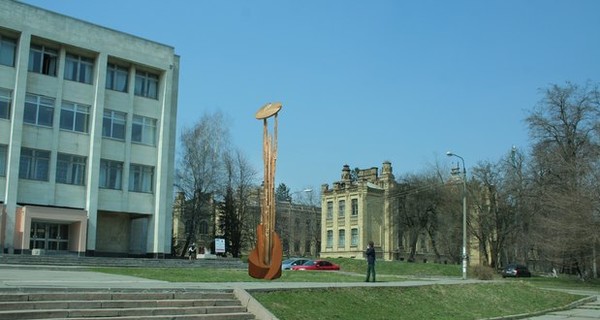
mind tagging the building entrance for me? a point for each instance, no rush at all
(49, 236)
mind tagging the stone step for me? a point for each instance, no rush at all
(122, 305)
(85, 304)
(114, 295)
(73, 260)
(117, 312)
(228, 316)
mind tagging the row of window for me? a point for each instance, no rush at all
(342, 208)
(71, 169)
(44, 60)
(39, 110)
(342, 238)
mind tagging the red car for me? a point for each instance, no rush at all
(317, 265)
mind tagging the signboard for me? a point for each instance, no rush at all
(219, 245)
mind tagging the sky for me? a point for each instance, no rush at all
(363, 82)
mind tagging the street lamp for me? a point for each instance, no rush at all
(464, 196)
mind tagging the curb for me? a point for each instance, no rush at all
(569, 306)
(252, 305)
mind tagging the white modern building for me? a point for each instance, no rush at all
(87, 137)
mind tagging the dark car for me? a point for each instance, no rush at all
(515, 270)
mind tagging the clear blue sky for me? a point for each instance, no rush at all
(362, 82)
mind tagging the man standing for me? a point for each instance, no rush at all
(370, 253)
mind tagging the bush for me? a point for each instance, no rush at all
(483, 272)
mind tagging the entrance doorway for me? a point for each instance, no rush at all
(49, 236)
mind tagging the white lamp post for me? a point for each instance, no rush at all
(464, 196)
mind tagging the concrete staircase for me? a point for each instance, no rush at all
(106, 305)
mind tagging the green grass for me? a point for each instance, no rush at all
(227, 275)
(469, 301)
(473, 301)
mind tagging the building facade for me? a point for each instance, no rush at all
(87, 137)
(298, 225)
(357, 210)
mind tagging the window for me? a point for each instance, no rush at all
(329, 238)
(34, 164)
(354, 207)
(78, 68)
(146, 84)
(140, 178)
(111, 174)
(116, 77)
(341, 208)
(329, 209)
(341, 238)
(39, 110)
(70, 169)
(8, 48)
(5, 102)
(354, 237)
(113, 125)
(143, 130)
(3, 154)
(74, 117)
(43, 60)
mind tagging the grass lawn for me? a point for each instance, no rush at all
(469, 301)
(474, 301)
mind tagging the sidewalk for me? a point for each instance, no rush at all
(24, 278)
(36, 277)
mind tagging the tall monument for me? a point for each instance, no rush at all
(264, 261)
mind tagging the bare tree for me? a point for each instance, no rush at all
(200, 170)
(236, 221)
(419, 199)
(564, 127)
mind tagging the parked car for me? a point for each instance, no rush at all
(287, 264)
(317, 265)
(515, 270)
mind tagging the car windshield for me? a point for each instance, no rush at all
(309, 263)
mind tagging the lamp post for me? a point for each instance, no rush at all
(464, 205)
(290, 237)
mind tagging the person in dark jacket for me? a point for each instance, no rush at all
(370, 253)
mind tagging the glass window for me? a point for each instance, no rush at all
(5, 102)
(354, 237)
(354, 207)
(111, 174)
(329, 209)
(43, 60)
(39, 110)
(113, 125)
(34, 164)
(341, 238)
(116, 77)
(74, 117)
(143, 130)
(141, 178)
(3, 155)
(78, 68)
(8, 48)
(146, 84)
(341, 208)
(70, 169)
(329, 238)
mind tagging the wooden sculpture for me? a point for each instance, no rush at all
(264, 261)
